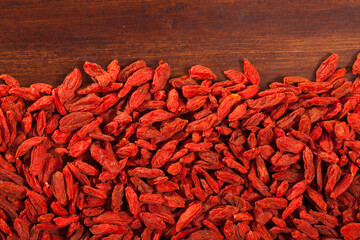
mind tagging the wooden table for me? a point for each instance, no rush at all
(41, 41)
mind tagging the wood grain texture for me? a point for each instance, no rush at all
(41, 41)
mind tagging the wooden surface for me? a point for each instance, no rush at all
(41, 41)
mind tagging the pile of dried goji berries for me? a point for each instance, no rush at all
(137, 155)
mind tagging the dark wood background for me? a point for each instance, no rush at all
(41, 41)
